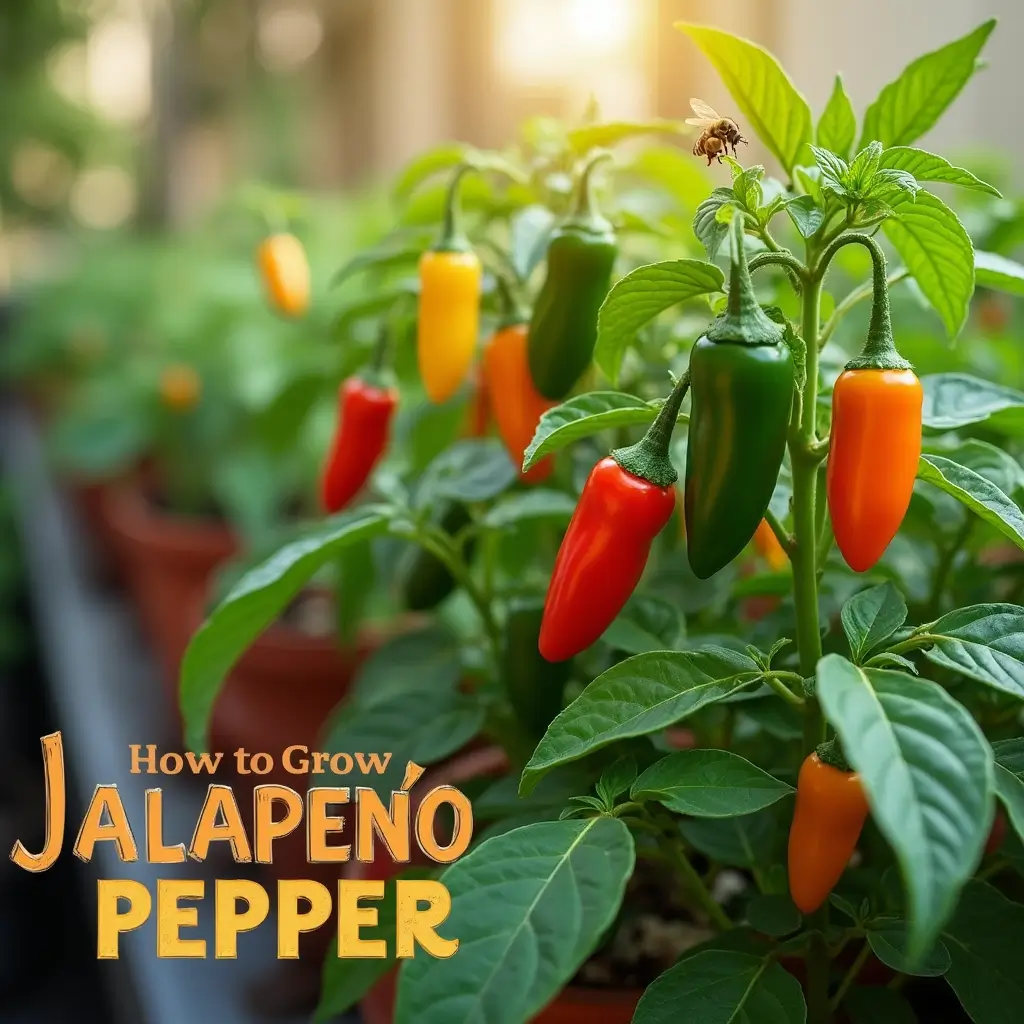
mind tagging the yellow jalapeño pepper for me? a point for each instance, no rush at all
(449, 307)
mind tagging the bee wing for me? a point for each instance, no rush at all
(700, 122)
(703, 111)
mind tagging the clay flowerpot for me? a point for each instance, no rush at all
(90, 501)
(573, 1005)
(169, 561)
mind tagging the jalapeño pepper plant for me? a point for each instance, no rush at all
(764, 737)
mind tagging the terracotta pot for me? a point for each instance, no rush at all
(169, 561)
(573, 1005)
(90, 501)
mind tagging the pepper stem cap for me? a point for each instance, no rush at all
(743, 322)
(648, 458)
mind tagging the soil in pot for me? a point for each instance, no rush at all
(169, 561)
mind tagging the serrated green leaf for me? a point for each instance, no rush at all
(711, 231)
(528, 907)
(583, 416)
(907, 107)
(837, 126)
(719, 987)
(709, 784)
(254, 602)
(939, 254)
(984, 642)
(805, 214)
(980, 496)
(872, 616)
(763, 91)
(640, 296)
(925, 166)
(926, 768)
(638, 696)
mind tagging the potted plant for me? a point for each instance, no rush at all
(823, 824)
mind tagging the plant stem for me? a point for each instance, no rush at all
(695, 886)
(946, 562)
(781, 534)
(851, 976)
(865, 291)
(773, 680)
(805, 461)
(438, 544)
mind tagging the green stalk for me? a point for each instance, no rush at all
(805, 596)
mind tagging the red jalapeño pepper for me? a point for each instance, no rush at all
(364, 424)
(626, 502)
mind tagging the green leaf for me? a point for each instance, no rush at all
(346, 981)
(984, 940)
(748, 841)
(872, 616)
(674, 171)
(709, 229)
(641, 695)
(529, 232)
(1010, 790)
(640, 296)
(761, 88)
(888, 940)
(976, 493)
(997, 466)
(527, 506)
(925, 166)
(837, 127)
(528, 907)
(774, 914)
(386, 257)
(994, 271)
(473, 469)
(423, 659)
(254, 602)
(425, 166)
(983, 642)
(954, 400)
(1010, 754)
(877, 1006)
(424, 729)
(646, 624)
(583, 416)
(718, 987)
(709, 784)
(593, 136)
(927, 772)
(616, 779)
(939, 255)
(909, 106)
(805, 214)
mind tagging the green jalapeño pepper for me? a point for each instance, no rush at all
(427, 580)
(741, 393)
(563, 330)
(535, 686)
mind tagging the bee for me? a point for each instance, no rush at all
(719, 133)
